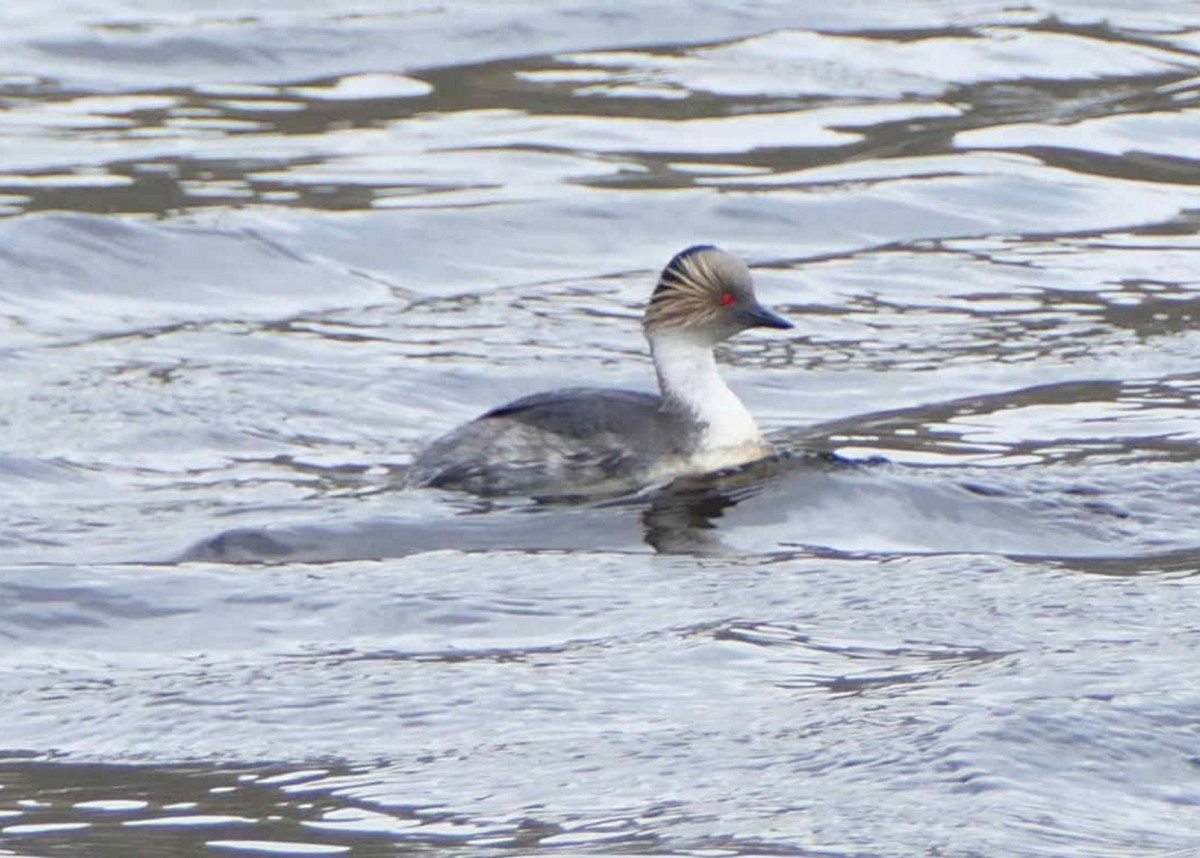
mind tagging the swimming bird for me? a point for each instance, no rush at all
(584, 440)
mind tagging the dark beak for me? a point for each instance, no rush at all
(758, 316)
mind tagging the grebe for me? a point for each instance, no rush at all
(586, 440)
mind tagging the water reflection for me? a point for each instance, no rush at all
(681, 518)
(778, 506)
(112, 810)
(752, 112)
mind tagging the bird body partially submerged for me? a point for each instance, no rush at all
(588, 440)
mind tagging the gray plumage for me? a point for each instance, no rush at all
(548, 442)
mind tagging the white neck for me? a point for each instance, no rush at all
(688, 379)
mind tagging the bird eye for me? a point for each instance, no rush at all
(727, 299)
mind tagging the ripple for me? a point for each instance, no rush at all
(882, 64)
(252, 260)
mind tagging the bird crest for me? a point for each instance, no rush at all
(696, 288)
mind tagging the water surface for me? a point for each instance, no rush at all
(250, 260)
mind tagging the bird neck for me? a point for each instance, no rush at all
(690, 384)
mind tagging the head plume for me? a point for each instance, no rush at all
(706, 289)
(690, 288)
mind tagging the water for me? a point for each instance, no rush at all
(252, 258)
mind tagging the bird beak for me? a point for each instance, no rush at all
(758, 316)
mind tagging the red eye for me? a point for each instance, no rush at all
(727, 299)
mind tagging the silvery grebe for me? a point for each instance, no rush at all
(584, 440)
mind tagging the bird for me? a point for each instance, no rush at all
(590, 441)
